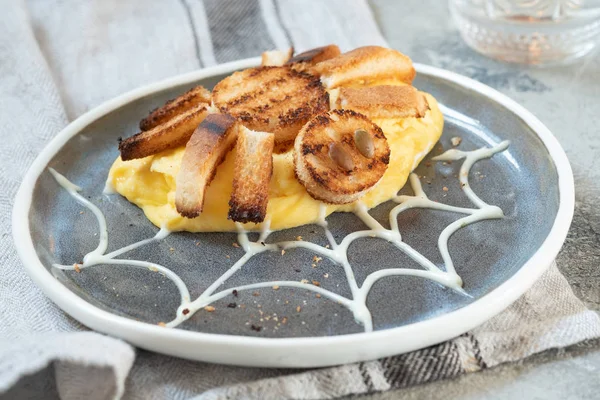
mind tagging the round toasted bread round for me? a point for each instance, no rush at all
(340, 155)
(272, 99)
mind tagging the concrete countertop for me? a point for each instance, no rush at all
(566, 100)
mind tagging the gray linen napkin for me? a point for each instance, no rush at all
(58, 59)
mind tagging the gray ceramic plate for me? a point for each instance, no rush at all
(498, 260)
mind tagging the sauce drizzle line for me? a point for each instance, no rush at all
(338, 252)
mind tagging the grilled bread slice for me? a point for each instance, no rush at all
(364, 65)
(272, 99)
(307, 59)
(251, 177)
(172, 108)
(381, 101)
(276, 58)
(205, 150)
(340, 155)
(172, 134)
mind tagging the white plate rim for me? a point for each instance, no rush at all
(292, 352)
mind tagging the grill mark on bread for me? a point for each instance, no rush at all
(174, 107)
(204, 152)
(170, 135)
(326, 179)
(311, 57)
(252, 173)
(216, 126)
(272, 99)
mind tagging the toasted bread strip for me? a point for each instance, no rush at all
(172, 134)
(334, 162)
(272, 99)
(366, 64)
(382, 101)
(206, 149)
(276, 58)
(313, 56)
(181, 104)
(251, 177)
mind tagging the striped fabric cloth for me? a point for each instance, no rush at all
(60, 58)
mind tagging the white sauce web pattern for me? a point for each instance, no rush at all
(337, 251)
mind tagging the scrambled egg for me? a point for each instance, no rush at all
(150, 182)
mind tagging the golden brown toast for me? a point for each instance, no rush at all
(251, 177)
(272, 99)
(205, 150)
(311, 57)
(172, 108)
(276, 58)
(381, 101)
(334, 162)
(172, 134)
(365, 64)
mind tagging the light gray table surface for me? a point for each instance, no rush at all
(566, 100)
